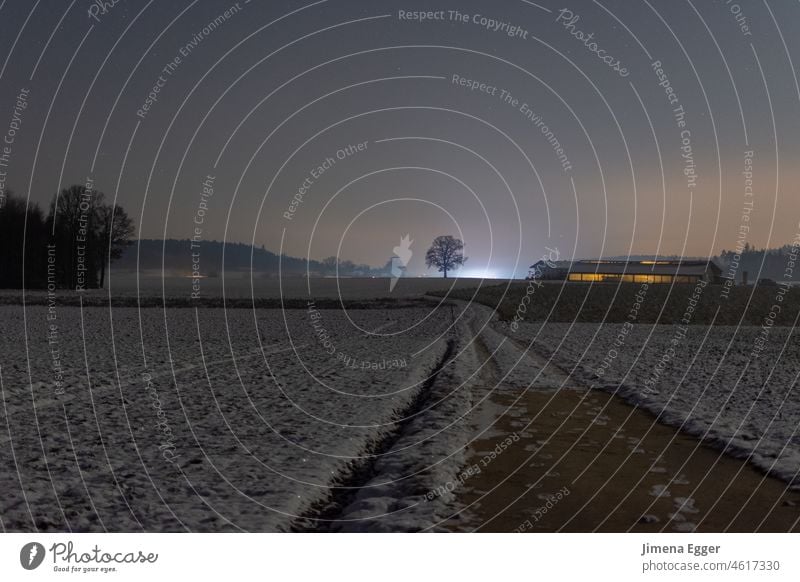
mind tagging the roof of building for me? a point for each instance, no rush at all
(552, 264)
(689, 267)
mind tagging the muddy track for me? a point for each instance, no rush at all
(323, 515)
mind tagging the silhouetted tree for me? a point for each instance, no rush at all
(73, 222)
(23, 244)
(329, 265)
(757, 263)
(115, 230)
(87, 235)
(446, 254)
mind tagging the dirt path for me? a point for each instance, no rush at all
(584, 464)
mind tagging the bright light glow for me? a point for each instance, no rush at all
(478, 274)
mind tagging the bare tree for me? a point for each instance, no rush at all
(329, 264)
(446, 254)
(23, 244)
(115, 231)
(73, 223)
(88, 234)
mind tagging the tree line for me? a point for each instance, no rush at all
(172, 255)
(70, 247)
(758, 263)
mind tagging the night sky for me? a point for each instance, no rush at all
(601, 128)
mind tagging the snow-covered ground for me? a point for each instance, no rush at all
(734, 387)
(271, 420)
(239, 285)
(203, 420)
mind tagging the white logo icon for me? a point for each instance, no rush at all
(31, 555)
(400, 260)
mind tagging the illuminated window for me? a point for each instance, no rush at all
(631, 278)
(586, 277)
(626, 278)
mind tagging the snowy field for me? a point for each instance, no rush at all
(240, 286)
(205, 419)
(265, 420)
(329, 419)
(734, 387)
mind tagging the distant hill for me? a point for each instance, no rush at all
(176, 256)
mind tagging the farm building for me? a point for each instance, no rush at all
(599, 271)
